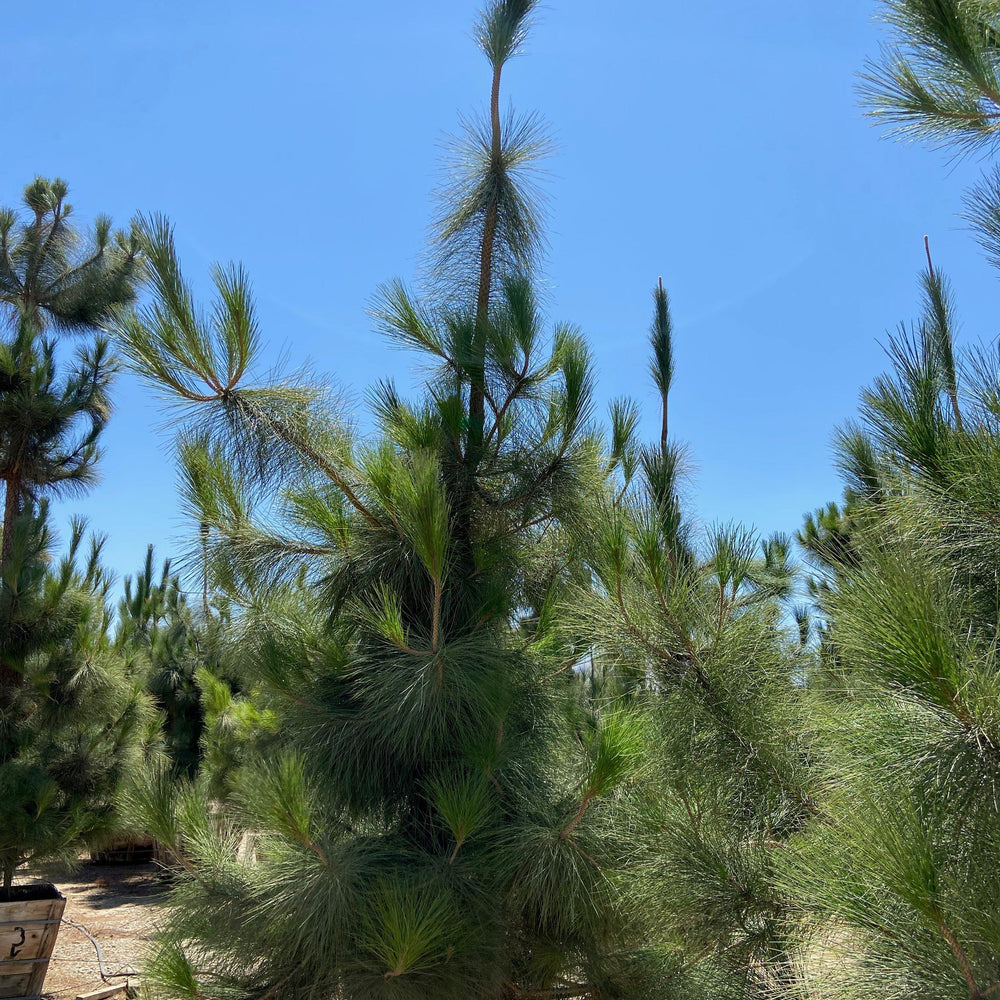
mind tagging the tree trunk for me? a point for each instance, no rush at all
(9, 678)
(477, 397)
(11, 508)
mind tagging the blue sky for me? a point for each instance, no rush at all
(718, 145)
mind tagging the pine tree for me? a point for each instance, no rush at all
(689, 630)
(157, 630)
(52, 285)
(896, 886)
(896, 882)
(73, 724)
(447, 810)
(78, 726)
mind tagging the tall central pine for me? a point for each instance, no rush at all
(442, 812)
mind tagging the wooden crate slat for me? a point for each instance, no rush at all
(28, 928)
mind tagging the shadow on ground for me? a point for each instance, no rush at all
(105, 886)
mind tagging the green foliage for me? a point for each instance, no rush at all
(52, 283)
(77, 727)
(662, 365)
(689, 633)
(405, 808)
(893, 882)
(939, 80)
(157, 632)
(502, 722)
(74, 724)
(50, 278)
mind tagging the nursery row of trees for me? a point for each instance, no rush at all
(468, 706)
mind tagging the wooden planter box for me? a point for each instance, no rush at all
(29, 923)
(126, 851)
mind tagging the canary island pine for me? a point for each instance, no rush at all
(443, 810)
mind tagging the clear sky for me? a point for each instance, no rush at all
(718, 144)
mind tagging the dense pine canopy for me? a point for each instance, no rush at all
(469, 705)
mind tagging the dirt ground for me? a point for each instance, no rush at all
(117, 906)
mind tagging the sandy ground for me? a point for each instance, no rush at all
(117, 905)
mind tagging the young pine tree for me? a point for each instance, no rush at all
(54, 283)
(77, 726)
(898, 883)
(158, 632)
(442, 812)
(73, 724)
(689, 632)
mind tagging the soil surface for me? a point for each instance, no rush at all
(117, 904)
